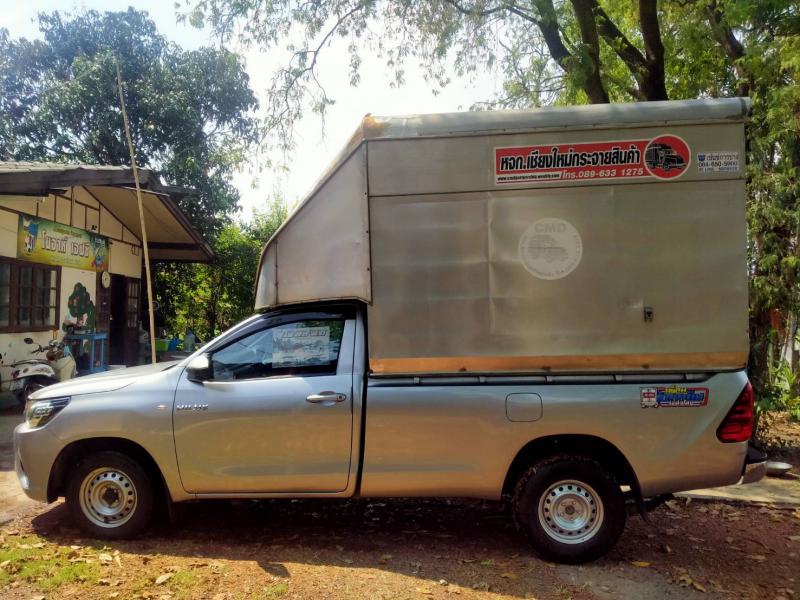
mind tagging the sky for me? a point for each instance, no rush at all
(315, 143)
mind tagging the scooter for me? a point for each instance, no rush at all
(33, 374)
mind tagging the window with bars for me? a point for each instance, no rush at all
(29, 298)
(133, 303)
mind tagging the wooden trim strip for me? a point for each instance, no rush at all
(531, 364)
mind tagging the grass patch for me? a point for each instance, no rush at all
(275, 590)
(183, 583)
(268, 592)
(44, 565)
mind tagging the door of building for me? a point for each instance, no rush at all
(124, 323)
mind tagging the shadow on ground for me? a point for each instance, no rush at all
(692, 549)
(471, 544)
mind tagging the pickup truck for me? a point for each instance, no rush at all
(499, 304)
(282, 406)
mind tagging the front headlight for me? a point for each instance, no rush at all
(40, 412)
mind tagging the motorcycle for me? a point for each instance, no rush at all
(33, 374)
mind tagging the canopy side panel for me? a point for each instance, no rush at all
(266, 292)
(322, 252)
(607, 274)
(452, 291)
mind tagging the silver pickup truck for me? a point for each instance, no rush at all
(516, 305)
(242, 418)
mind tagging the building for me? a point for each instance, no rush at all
(71, 252)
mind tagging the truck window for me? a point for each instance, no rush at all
(300, 348)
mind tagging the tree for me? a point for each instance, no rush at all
(192, 120)
(562, 44)
(210, 298)
(577, 51)
(191, 112)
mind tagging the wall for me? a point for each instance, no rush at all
(83, 212)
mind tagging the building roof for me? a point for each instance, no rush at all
(171, 237)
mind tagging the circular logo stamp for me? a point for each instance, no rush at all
(667, 157)
(550, 248)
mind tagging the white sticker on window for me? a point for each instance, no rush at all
(718, 162)
(300, 347)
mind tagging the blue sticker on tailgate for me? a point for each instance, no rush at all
(673, 396)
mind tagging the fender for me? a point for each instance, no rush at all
(33, 370)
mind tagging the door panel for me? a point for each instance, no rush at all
(263, 435)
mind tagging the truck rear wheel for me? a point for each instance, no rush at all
(110, 496)
(570, 508)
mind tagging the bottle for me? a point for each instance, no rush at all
(189, 341)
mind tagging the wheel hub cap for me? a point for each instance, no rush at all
(571, 512)
(108, 497)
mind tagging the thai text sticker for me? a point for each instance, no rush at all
(663, 157)
(300, 346)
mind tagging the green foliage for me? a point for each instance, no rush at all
(714, 48)
(192, 119)
(210, 298)
(779, 392)
(190, 111)
(33, 560)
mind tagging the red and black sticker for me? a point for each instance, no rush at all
(663, 157)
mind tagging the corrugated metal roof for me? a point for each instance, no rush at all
(112, 185)
(22, 165)
(37, 178)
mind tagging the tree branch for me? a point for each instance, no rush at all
(471, 12)
(590, 63)
(647, 69)
(619, 43)
(654, 86)
(732, 47)
(548, 25)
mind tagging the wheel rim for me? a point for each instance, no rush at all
(571, 512)
(108, 497)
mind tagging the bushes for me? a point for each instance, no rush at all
(780, 393)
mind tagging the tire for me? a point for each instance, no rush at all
(570, 509)
(110, 496)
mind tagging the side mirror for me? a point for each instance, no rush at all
(28, 340)
(199, 370)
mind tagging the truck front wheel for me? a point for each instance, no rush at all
(110, 496)
(570, 508)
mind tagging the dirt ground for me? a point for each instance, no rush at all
(400, 549)
(394, 549)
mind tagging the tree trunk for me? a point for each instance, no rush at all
(590, 63)
(653, 84)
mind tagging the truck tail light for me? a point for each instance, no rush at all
(738, 423)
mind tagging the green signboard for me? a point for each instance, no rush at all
(50, 243)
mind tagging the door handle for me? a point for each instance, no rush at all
(326, 397)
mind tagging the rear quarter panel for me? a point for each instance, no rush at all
(455, 440)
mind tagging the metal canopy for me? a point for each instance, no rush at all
(172, 237)
(454, 264)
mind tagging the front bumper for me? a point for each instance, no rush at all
(755, 466)
(35, 451)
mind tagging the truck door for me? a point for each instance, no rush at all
(275, 414)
